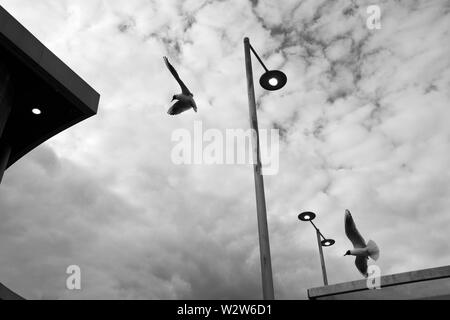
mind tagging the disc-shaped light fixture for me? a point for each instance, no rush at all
(273, 80)
(327, 242)
(306, 216)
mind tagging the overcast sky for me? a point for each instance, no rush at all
(364, 122)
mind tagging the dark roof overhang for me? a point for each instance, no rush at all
(40, 80)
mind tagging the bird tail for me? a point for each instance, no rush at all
(373, 250)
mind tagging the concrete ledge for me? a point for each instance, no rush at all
(386, 281)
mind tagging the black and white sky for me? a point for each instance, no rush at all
(364, 119)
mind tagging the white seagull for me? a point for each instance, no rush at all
(185, 98)
(361, 250)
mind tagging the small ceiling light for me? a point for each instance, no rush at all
(36, 111)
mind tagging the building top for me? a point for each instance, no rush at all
(431, 283)
(43, 83)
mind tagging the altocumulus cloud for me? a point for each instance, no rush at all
(364, 122)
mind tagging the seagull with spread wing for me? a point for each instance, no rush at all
(361, 250)
(185, 98)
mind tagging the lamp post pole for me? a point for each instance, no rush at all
(322, 260)
(264, 245)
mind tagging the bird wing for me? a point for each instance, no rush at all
(178, 108)
(194, 105)
(361, 265)
(353, 233)
(172, 70)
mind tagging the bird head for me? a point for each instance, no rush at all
(174, 97)
(347, 253)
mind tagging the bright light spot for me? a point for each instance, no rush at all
(36, 111)
(307, 217)
(273, 82)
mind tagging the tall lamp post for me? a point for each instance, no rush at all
(270, 80)
(309, 216)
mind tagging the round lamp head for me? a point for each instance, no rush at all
(327, 242)
(273, 80)
(306, 216)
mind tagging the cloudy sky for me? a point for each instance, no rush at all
(363, 123)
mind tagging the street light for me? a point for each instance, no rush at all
(270, 80)
(309, 216)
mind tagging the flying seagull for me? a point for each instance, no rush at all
(361, 250)
(185, 98)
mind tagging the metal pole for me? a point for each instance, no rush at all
(259, 59)
(317, 229)
(264, 246)
(322, 260)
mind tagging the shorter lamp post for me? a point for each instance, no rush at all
(309, 216)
